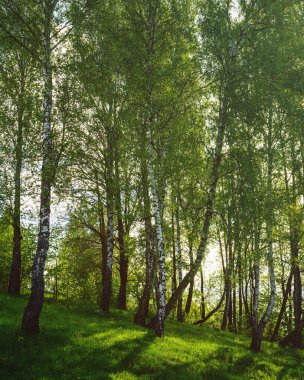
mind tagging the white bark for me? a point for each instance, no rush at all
(32, 312)
(160, 243)
(179, 249)
(269, 226)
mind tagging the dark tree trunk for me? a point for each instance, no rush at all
(209, 315)
(203, 307)
(180, 316)
(107, 280)
(297, 302)
(102, 234)
(15, 272)
(191, 286)
(289, 312)
(246, 306)
(56, 281)
(174, 277)
(174, 271)
(14, 285)
(123, 268)
(227, 307)
(240, 324)
(230, 274)
(295, 239)
(256, 339)
(283, 308)
(143, 306)
(230, 312)
(291, 338)
(189, 298)
(258, 328)
(295, 244)
(234, 318)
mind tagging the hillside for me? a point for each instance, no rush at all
(75, 344)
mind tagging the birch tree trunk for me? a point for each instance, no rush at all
(15, 272)
(123, 258)
(161, 304)
(107, 281)
(258, 329)
(30, 321)
(208, 212)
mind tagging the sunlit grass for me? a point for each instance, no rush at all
(76, 344)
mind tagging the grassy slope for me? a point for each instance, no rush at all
(86, 345)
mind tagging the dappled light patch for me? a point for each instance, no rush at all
(73, 345)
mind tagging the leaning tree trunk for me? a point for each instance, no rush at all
(30, 321)
(283, 308)
(213, 311)
(207, 216)
(15, 272)
(290, 338)
(258, 329)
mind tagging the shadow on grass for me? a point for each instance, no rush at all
(85, 344)
(70, 346)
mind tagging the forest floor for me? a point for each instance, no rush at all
(75, 344)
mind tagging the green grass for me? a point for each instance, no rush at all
(75, 344)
